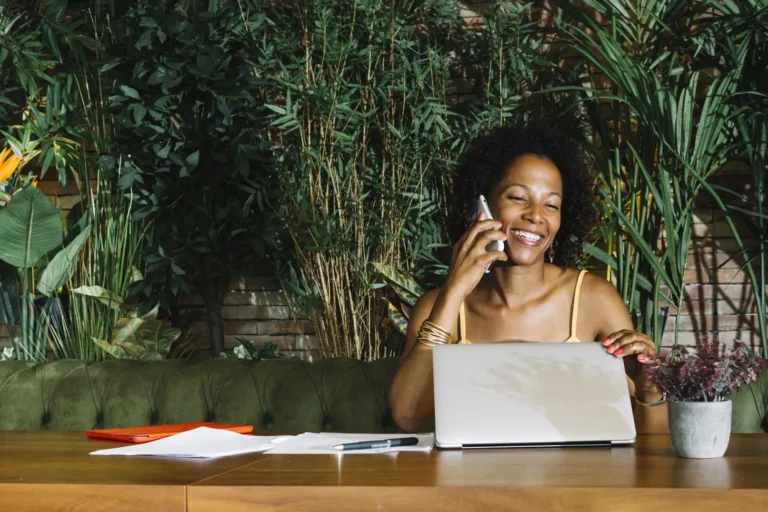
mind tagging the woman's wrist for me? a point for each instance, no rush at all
(450, 295)
(648, 395)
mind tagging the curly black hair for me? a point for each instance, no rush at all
(489, 156)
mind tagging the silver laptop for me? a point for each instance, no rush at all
(530, 395)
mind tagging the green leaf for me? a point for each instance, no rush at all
(399, 321)
(115, 351)
(144, 40)
(163, 153)
(30, 228)
(406, 288)
(139, 111)
(136, 275)
(101, 294)
(130, 92)
(62, 266)
(193, 159)
(109, 65)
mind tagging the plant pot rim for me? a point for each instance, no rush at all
(699, 401)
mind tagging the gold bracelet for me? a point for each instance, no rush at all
(652, 404)
(436, 328)
(431, 335)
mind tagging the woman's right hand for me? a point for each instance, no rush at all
(470, 259)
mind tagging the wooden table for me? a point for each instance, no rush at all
(53, 471)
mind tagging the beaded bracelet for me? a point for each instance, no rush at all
(652, 404)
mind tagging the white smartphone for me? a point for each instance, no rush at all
(496, 245)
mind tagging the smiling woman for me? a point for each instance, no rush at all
(537, 151)
(539, 192)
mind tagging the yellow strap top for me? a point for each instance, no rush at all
(574, 316)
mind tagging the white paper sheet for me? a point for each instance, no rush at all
(323, 443)
(202, 442)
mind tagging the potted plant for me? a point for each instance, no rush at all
(698, 384)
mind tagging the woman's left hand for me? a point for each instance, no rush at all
(624, 343)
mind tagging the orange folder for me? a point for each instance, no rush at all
(146, 434)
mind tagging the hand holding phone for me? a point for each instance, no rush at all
(496, 245)
(481, 245)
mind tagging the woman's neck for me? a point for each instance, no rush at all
(512, 285)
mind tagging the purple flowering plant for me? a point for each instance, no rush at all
(706, 373)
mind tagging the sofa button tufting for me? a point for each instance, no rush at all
(211, 417)
(327, 423)
(45, 420)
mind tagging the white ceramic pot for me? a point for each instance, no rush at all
(700, 430)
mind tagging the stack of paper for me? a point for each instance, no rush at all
(311, 443)
(201, 442)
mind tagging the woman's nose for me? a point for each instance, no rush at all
(533, 214)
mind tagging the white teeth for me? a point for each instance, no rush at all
(528, 236)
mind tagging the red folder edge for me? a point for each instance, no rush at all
(153, 433)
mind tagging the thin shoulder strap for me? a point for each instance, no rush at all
(462, 327)
(575, 312)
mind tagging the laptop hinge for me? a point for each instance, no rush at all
(540, 445)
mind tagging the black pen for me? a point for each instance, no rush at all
(383, 443)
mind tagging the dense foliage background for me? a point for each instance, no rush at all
(319, 137)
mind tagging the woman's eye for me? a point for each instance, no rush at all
(553, 207)
(515, 198)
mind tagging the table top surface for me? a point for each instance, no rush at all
(63, 458)
(50, 457)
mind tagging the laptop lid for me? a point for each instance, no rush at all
(525, 394)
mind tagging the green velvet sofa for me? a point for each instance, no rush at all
(340, 395)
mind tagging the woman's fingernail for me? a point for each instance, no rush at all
(606, 341)
(480, 215)
(641, 357)
(618, 352)
(611, 349)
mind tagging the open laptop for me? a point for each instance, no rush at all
(530, 395)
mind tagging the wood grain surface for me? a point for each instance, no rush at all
(53, 471)
(640, 477)
(47, 470)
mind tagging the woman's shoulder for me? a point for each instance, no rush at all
(601, 294)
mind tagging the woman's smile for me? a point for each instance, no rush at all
(527, 237)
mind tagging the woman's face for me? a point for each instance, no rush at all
(528, 200)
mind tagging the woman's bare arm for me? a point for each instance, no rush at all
(411, 394)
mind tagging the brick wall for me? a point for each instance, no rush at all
(719, 300)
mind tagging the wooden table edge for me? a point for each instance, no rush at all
(466, 498)
(23, 496)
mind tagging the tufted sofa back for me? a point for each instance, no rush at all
(342, 395)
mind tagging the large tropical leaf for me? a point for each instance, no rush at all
(62, 266)
(30, 228)
(406, 288)
(399, 321)
(141, 339)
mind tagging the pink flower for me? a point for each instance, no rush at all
(706, 373)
